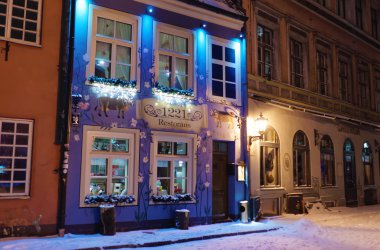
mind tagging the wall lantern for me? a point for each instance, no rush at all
(261, 123)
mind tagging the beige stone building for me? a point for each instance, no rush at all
(314, 73)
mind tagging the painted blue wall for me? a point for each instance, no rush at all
(143, 212)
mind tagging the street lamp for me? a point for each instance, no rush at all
(261, 123)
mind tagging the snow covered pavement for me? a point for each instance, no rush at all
(336, 228)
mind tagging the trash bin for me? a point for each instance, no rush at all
(255, 208)
(182, 219)
(107, 219)
(294, 203)
(244, 211)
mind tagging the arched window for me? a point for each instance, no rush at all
(368, 164)
(270, 159)
(301, 160)
(327, 162)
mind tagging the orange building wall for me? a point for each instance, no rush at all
(28, 90)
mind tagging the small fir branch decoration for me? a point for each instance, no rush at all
(171, 198)
(112, 82)
(173, 91)
(108, 199)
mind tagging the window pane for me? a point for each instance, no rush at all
(123, 55)
(17, 34)
(180, 186)
(102, 61)
(103, 51)
(22, 140)
(180, 44)
(181, 73)
(180, 148)
(20, 163)
(19, 3)
(19, 188)
(8, 127)
(30, 37)
(231, 90)
(98, 167)
(19, 175)
(6, 139)
(217, 52)
(22, 128)
(119, 186)
(5, 163)
(120, 145)
(17, 23)
(123, 72)
(21, 152)
(32, 15)
(98, 186)
(32, 4)
(105, 27)
(230, 55)
(101, 144)
(3, 10)
(180, 169)
(163, 187)
(31, 26)
(217, 71)
(6, 151)
(5, 176)
(17, 12)
(119, 167)
(166, 41)
(5, 188)
(164, 71)
(164, 148)
(163, 169)
(217, 88)
(124, 31)
(2, 30)
(230, 74)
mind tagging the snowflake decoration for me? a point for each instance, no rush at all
(145, 50)
(201, 77)
(140, 178)
(76, 138)
(208, 133)
(207, 184)
(86, 57)
(142, 135)
(204, 150)
(145, 159)
(114, 125)
(86, 98)
(201, 100)
(147, 85)
(133, 122)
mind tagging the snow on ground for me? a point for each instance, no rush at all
(335, 228)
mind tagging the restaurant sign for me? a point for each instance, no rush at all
(163, 116)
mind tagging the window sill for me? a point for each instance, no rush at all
(370, 187)
(98, 205)
(303, 188)
(271, 188)
(25, 197)
(152, 203)
(328, 187)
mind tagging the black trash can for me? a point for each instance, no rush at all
(107, 220)
(294, 203)
(255, 208)
(182, 219)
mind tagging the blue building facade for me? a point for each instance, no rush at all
(158, 115)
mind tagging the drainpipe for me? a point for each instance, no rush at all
(63, 104)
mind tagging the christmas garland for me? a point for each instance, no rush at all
(171, 198)
(174, 91)
(108, 199)
(112, 82)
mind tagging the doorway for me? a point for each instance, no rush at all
(349, 174)
(220, 160)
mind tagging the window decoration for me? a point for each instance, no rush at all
(368, 165)
(113, 88)
(173, 96)
(301, 160)
(173, 167)
(327, 161)
(108, 167)
(270, 159)
(15, 157)
(20, 21)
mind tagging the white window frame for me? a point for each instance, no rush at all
(190, 139)
(95, 12)
(132, 155)
(176, 31)
(237, 65)
(8, 17)
(13, 157)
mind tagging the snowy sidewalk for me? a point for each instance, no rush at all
(142, 238)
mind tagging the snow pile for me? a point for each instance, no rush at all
(317, 208)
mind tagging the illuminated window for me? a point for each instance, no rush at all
(173, 159)
(225, 69)
(15, 156)
(345, 77)
(109, 164)
(322, 71)
(20, 21)
(327, 161)
(114, 37)
(368, 164)
(270, 159)
(265, 50)
(296, 63)
(363, 81)
(301, 160)
(174, 57)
